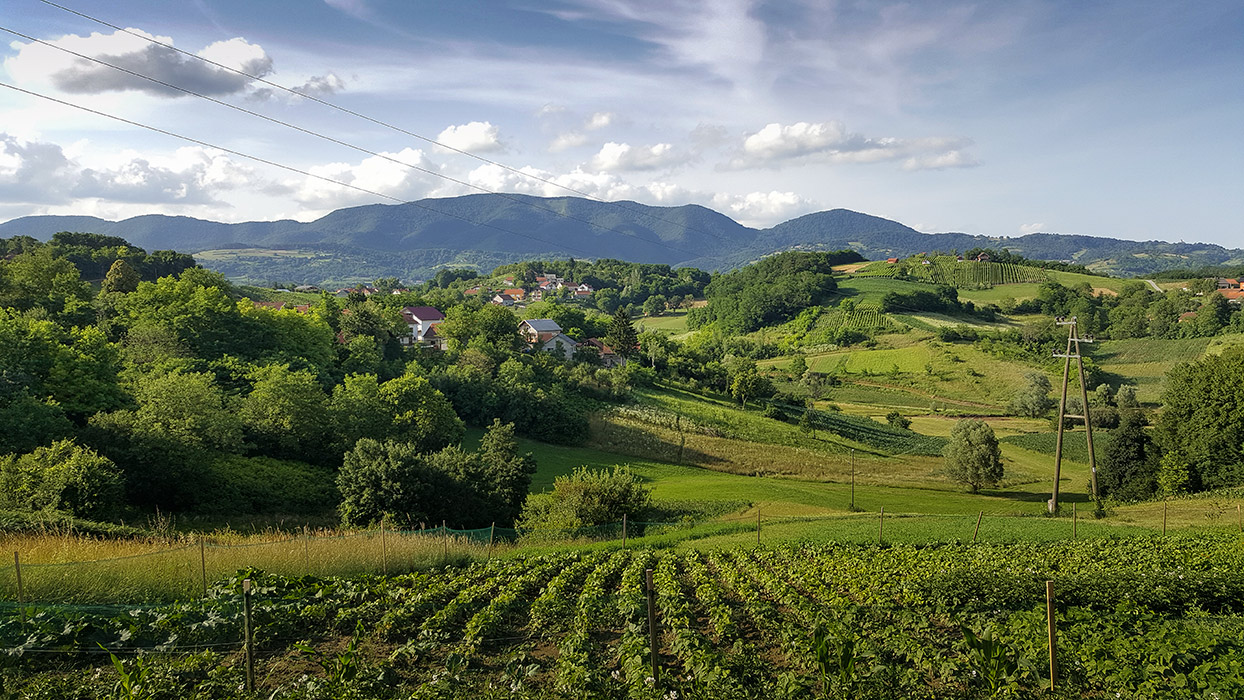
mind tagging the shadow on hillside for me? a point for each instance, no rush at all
(1039, 496)
(635, 441)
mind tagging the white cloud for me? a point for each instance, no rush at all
(599, 120)
(1031, 228)
(568, 140)
(622, 156)
(940, 161)
(760, 209)
(42, 173)
(474, 137)
(830, 142)
(36, 64)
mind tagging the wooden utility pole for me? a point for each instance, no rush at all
(1072, 353)
(853, 479)
(248, 632)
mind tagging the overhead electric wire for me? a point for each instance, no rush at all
(340, 142)
(379, 122)
(275, 164)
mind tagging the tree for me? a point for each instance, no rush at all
(1128, 468)
(798, 366)
(586, 498)
(898, 420)
(1033, 400)
(422, 416)
(64, 477)
(746, 382)
(621, 335)
(655, 305)
(972, 455)
(807, 420)
(286, 414)
(391, 480)
(607, 300)
(1203, 418)
(121, 278)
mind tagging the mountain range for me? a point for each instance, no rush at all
(412, 240)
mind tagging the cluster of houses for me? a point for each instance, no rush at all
(517, 296)
(1231, 289)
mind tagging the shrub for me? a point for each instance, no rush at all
(63, 477)
(586, 498)
(245, 485)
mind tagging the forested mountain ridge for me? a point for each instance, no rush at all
(416, 238)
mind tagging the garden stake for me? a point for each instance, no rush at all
(880, 524)
(306, 551)
(977, 531)
(1239, 523)
(1049, 617)
(17, 566)
(652, 622)
(445, 533)
(624, 531)
(384, 550)
(203, 564)
(1164, 518)
(758, 526)
(248, 639)
(1074, 523)
(492, 532)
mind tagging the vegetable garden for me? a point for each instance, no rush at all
(1136, 618)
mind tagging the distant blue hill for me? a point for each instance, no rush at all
(413, 239)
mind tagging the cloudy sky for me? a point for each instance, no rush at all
(1114, 117)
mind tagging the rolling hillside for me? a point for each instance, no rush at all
(484, 230)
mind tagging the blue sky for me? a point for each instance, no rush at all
(1104, 118)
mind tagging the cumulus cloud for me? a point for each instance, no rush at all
(762, 208)
(1031, 228)
(36, 63)
(42, 173)
(830, 142)
(476, 137)
(622, 156)
(598, 120)
(387, 174)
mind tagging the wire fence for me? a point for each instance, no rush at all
(186, 571)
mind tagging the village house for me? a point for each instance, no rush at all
(561, 345)
(982, 257)
(503, 300)
(891, 260)
(608, 357)
(422, 320)
(515, 292)
(537, 331)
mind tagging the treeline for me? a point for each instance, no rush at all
(171, 393)
(617, 283)
(773, 290)
(1137, 311)
(942, 299)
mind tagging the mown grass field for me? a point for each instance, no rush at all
(672, 322)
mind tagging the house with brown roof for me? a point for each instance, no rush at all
(608, 357)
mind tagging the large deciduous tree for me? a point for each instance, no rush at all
(972, 455)
(1203, 418)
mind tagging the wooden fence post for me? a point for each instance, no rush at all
(1049, 618)
(445, 534)
(1239, 522)
(17, 567)
(1163, 518)
(306, 551)
(880, 524)
(757, 526)
(624, 531)
(492, 532)
(203, 563)
(248, 640)
(1075, 522)
(384, 549)
(652, 623)
(977, 531)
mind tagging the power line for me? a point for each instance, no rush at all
(379, 122)
(275, 164)
(340, 142)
